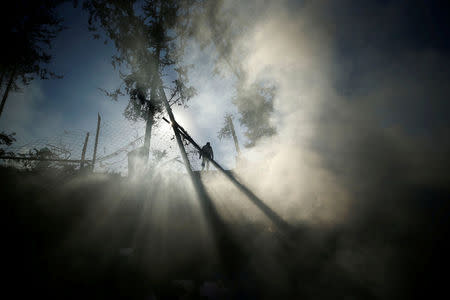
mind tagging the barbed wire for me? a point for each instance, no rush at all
(116, 140)
(68, 144)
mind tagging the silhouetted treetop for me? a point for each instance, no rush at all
(28, 29)
(255, 106)
(149, 37)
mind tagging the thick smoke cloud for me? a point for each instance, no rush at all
(362, 117)
(356, 89)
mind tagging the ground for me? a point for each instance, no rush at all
(100, 236)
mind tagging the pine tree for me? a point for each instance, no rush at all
(149, 37)
(28, 30)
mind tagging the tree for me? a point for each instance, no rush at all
(6, 140)
(149, 37)
(227, 131)
(28, 30)
(254, 101)
(255, 106)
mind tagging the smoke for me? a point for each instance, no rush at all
(361, 146)
(356, 117)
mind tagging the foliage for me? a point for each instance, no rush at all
(45, 159)
(7, 140)
(226, 25)
(149, 37)
(158, 155)
(255, 105)
(225, 131)
(28, 28)
(43, 153)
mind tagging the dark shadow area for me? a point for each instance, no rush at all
(230, 254)
(78, 236)
(284, 227)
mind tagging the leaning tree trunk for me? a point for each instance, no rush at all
(7, 89)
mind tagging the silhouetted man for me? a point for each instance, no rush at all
(207, 153)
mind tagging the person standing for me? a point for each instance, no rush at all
(207, 154)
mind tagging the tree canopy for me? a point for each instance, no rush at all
(255, 106)
(149, 38)
(28, 29)
(225, 25)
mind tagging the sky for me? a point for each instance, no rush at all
(383, 59)
(46, 108)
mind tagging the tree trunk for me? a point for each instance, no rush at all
(149, 124)
(94, 157)
(148, 135)
(233, 133)
(8, 88)
(83, 152)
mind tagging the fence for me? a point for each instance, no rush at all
(115, 141)
(64, 148)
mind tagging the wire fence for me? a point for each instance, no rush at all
(61, 149)
(116, 140)
(116, 144)
(66, 145)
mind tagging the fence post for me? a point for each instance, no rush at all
(233, 133)
(84, 151)
(96, 141)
